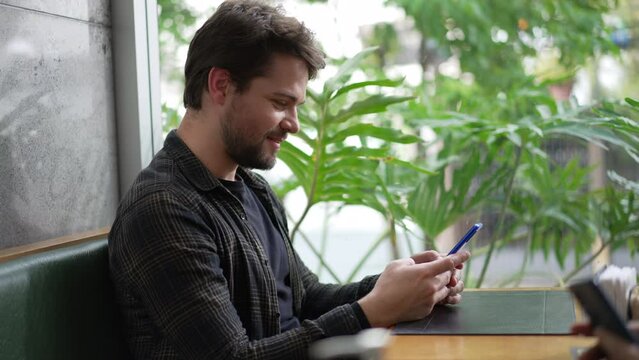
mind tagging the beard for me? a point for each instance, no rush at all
(244, 148)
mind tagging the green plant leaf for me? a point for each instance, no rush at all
(407, 165)
(634, 103)
(372, 104)
(296, 160)
(359, 85)
(345, 70)
(371, 130)
(353, 151)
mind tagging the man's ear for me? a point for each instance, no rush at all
(219, 85)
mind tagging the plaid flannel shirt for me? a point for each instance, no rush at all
(192, 278)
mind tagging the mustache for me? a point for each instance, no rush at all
(277, 134)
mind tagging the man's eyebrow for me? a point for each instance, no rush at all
(290, 97)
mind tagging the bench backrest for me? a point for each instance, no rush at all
(59, 304)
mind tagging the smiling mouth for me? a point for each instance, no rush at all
(277, 139)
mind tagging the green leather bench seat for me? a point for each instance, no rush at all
(59, 304)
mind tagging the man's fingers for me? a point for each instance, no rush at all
(437, 282)
(454, 296)
(455, 279)
(608, 340)
(441, 294)
(452, 299)
(431, 256)
(436, 267)
(457, 289)
(402, 261)
(614, 346)
(444, 264)
(594, 353)
(460, 258)
(426, 256)
(582, 329)
(447, 263)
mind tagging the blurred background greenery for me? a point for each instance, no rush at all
(516, 114)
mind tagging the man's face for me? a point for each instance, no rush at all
(256, 121)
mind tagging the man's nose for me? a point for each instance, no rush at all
(291, 123)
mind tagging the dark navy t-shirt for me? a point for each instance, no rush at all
(273, 245)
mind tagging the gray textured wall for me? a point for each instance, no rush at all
(58, 161)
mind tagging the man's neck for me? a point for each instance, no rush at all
(202, 137)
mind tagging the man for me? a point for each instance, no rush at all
(199, 252)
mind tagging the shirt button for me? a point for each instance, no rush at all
(242, 217)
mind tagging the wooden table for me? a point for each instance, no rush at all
(482, 347)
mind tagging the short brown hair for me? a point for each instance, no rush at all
(241, 37)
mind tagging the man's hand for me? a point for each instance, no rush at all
(456, 285)
(408, 289)
(610, 346)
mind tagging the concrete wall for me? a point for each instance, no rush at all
(58, 161)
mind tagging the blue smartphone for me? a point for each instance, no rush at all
(471, 232)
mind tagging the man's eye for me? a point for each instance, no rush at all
(280, 104)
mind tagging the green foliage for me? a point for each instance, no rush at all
(491, 37)
(176, 26)
(550, 202)
(614, 210)
(345, 152)
(170, 118)
(495, 124)
(514, 176)
(437, 204)
(494, 134)
(618, 213)
(384, 38)
(175, 21)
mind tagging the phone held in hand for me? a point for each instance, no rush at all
(599, 310)
(469, 234)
